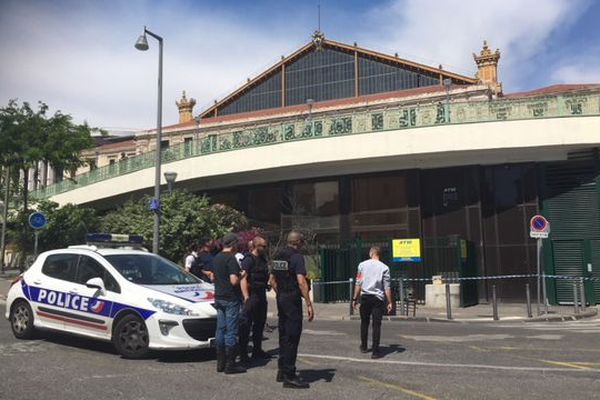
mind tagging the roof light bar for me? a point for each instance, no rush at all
(114, 238)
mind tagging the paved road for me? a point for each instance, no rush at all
(423, 361)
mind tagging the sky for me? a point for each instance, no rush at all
(78, 56)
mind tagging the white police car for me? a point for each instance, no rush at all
(136, 299)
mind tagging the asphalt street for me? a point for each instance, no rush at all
(556, 360)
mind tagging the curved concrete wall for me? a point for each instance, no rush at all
(449, 145)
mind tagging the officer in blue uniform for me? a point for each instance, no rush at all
(289, 282)
(255, 278)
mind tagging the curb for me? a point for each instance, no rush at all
(549, 318)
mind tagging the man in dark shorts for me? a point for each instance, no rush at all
(227, 302)
(289, 282)
(255, 277)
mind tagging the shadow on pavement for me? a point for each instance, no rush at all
(64, 339)
(184, 356)
(391, 349)
(315, 375)
(83, 343)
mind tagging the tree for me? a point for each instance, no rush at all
(186, 218)
(67, 225)
(28, 137)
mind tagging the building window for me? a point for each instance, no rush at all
(313, 207)
(188, 144)
(379, 206)
(377, 77)
(164, 144)
(264, 95)
(320, 75)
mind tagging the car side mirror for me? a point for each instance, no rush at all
(96, 283)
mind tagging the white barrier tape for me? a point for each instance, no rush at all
(479, 278)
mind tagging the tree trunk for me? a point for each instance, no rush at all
(44, 174)
(25, 189)
(4, 216)
(36, 175)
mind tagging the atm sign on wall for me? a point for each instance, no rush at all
(406, 250)
(539, 227)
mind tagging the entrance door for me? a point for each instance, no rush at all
(569, 257)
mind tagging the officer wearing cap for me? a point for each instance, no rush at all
(289, 282)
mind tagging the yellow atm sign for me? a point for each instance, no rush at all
(406, 250)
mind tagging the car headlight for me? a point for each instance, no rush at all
(172, 308)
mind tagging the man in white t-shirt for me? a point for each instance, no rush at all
(372, 288)
(191, 257)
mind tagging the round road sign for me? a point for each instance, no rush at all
(539, 224)
(37, 220)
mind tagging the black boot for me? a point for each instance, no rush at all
(279, 377)
(220, 359)
(294, 381)
(230, 366)
(244, 359)
(259, 354)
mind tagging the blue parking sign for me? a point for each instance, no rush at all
(37, 220)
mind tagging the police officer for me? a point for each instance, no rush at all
(255, 277)
(289, 282)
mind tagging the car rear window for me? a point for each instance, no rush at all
(61, 266)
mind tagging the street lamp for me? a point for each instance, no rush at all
(170, 178)
(142, 44)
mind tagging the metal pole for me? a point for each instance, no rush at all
(156, 234)
(448, 303)
(575, 299)
(170, 186)
(539, 278)
(582, 294)
(4, 217)
(494, 303)
(351, 295)
(401, 294)
(528, 295)
(36, 234)
(544, 292)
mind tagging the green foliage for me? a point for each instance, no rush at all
(29, 136)
(66, 226)
(186, 218)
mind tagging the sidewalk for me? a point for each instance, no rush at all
(478, 313)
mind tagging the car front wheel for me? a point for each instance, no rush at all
(21, 320)
(130, 337)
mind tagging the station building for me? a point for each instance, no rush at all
(352, 144)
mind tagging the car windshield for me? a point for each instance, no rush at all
(150, 269)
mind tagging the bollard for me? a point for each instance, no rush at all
(494, 303)
(448, 305)
(575, 299)
(351, 295)
(401, 294)
(582, 294)
(528, 296)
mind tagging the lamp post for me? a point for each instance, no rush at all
(142, 44)
(448, 85)
(170, 177)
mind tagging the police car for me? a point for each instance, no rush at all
(114, 290)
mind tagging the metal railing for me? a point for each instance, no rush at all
(575, 104)
(405, 305)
